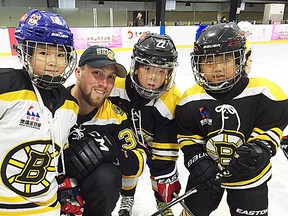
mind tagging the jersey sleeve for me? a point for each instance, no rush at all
(164, 147)
(272, 116)
(189, 135)
(132, 156)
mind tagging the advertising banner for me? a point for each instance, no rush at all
(5, 48)
(132, 34)
(280, 32)
(86, 37)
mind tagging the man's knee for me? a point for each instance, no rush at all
(101, 189)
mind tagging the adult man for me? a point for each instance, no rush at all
(102, 144)
(33, 106)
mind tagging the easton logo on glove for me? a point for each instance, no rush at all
(168, 183)
(169, 179)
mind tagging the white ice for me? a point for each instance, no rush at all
(269, 61)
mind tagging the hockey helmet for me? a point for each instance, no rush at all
(42, 29)
(246, 28)
(222, 39)
(156, 51)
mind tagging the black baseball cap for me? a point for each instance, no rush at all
(99, 57)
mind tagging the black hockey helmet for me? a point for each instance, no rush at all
(219, 40)
(159, 49)
(154, 50)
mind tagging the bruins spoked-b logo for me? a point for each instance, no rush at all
(25, 169)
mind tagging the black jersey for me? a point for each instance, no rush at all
(255, 109)
(110, 119)
(153, 120)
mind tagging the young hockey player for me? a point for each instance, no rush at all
(149, 97)
(37, 113)
(246, 28)
(230, 125)
(102, 144)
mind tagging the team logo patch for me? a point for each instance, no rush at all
(25, 168)
(221, 146)
(108, 53)
(32, 119)
(205, 117)
(117, 110)
(34, 19)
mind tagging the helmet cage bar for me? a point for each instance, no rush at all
(149, 93)
(225, 84)
(146, 61)
(25, 53)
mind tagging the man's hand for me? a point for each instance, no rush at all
(85, 154)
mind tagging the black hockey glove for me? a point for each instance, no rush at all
(284, 145)
(203, 171)
(86, 154)
(249, 158)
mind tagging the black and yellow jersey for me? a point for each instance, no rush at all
(254, 109)
(110, 119)
(153, 120)
(32, 137)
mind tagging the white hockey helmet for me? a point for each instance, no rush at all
(246, 28)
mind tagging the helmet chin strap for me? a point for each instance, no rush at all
(218, 87)
(49, 82)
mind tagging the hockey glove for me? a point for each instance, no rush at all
(284, 145)
(86, 154)
(203, 171)
(249, 158)
(69, 196)
(168, 183)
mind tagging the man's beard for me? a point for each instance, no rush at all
(87, 97)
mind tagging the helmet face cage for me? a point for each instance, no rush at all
(157, 51)
(41, 30)
(226, 83)
(149, 93)
(30, 61)
(221, 48)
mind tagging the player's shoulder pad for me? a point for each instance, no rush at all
(172, 96)
(119, 89)
(71, 104)
(12, 80)
(120, 83)
(194, 93)
(266, 87)
(111, 113)
(167, 102)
